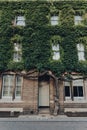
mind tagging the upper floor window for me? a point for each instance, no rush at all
(78, 20)
(11, 84)
(56, 52)
(17, 56)
(20, 20)
(81, 53)
(54, 20)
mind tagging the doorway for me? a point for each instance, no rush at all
(43, 94)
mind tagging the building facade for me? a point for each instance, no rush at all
(43, 57)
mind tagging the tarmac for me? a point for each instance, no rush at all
(44, 118)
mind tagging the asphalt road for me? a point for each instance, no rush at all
(46, 125)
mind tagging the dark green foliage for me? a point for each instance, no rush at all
(36, 36)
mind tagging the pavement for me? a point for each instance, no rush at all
(44, 118)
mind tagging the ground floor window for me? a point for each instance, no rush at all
(18, 86)
(78, 91)
(7, 85)
(67, 91)
(74, 89)
(11, 86)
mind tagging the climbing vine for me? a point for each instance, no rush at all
(36, 35)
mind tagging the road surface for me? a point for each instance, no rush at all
(43, 124)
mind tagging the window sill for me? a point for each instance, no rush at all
(76, 101)
(9, 100)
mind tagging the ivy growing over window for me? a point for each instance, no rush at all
(37, 33)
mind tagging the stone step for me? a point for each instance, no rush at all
(44, 111)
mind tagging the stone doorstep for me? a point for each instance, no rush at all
(44, 111)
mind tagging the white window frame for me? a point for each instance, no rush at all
(54, 20)
(17, 56)
(13, 80)
(74, 83)
(16, 96)
(78, 83)
(20, 20)
(9, 86)
(81, 52)
(78, 20)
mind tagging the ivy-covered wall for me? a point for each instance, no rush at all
(36, 36)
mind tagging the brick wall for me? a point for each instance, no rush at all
(52, 93)
(30, 94)
(61, 97)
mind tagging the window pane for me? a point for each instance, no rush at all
(18, 86)
(17, 56)
(20, 21)
(20, 18)
(5, 80)
(17, 47)
(78, 20)
(80, 90)
(81, 56)
(67, 91)
(18, 93)
(75, 91)
(8, 81)
(10, 90)
(80, 47)
(54, 20)
(56, 55)
(5, 92)
(55, 47)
